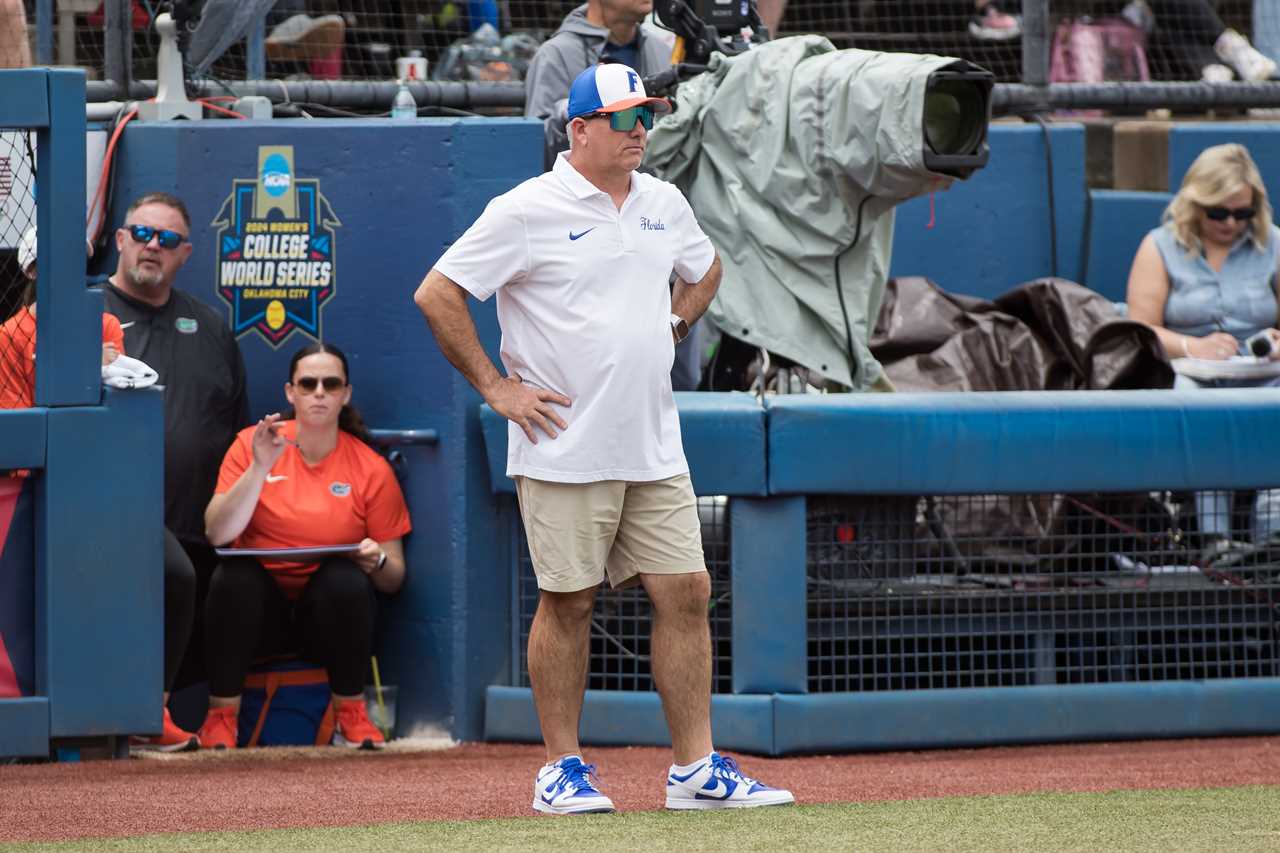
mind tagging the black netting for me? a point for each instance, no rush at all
(17, 221)
(1007, 590)
(362, 40)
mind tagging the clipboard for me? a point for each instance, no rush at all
(304, 554)
(1236, 367)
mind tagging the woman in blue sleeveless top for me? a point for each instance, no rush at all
(1206, 280)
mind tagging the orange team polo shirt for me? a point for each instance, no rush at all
(18, 356)
(350, 495)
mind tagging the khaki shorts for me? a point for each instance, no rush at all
(580, 532)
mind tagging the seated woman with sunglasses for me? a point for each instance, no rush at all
(306, 479)
(1206, 281)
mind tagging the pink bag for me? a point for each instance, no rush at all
(1087, 50)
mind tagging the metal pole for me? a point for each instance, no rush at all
(1035, 42)
(255, 50)
(1016, 98)
(1006, 98)
(44, 32)
(117, 38)
(352, 94)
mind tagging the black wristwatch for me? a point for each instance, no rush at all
(679, 327)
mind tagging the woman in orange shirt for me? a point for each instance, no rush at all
(306, 479)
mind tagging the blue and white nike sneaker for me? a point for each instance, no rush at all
(717, 783)
(566, 788)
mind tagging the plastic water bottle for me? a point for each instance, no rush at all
(404, 106)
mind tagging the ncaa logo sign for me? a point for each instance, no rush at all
(276, 179)
(277, 250)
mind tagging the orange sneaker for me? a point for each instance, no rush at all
(354, 728)
(170, 739)
(219, 729)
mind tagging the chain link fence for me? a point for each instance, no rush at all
(1217, 40)
(937, 592)
(17, 268)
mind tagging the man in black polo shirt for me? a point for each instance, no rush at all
(189, 344)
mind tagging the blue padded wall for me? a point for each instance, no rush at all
(1118, 220)
(633, 718)
(1186, 141)
(444, 636)
(100, 592)
(992, 231)
(986, 716)
(1023, 441)
(17, 580)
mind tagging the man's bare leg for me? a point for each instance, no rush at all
(681, 659)
(559, 645)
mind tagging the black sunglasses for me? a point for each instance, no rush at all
(331, 383)
(166, 238)
(1222, 214)
(625, 120)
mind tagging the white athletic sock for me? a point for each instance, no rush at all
(685, 769)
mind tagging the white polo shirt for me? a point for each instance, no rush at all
(584, 306)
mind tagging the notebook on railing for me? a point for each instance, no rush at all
(1236, 367)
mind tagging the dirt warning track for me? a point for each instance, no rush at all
(259, 789)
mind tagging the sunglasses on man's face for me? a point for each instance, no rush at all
(308, 384)
(624, 120)
(1222, 214)
(166, 238)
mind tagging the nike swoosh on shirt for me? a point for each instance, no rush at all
(573, 236)
(128, 324)
(275, 478)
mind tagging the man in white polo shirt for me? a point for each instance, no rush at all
(580, 258)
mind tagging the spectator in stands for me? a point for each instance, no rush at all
(190, 346)
(317, 41)
(991, 23)
(1209, 43)
(304, 479)
(600, 28)
(1206, 281)
(15, 48)
(771, 12)
(586, 334)
(17, 391)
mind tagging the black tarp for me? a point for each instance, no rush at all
(1050, 334)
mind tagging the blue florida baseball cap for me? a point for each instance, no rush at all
(608, 89)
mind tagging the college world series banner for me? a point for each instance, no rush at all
(276, 265)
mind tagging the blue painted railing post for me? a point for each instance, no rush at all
(67, 350)
(767, 550)
(99, 577)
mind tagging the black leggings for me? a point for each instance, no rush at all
(179, 605)
(1195, 20)
(248, 615)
